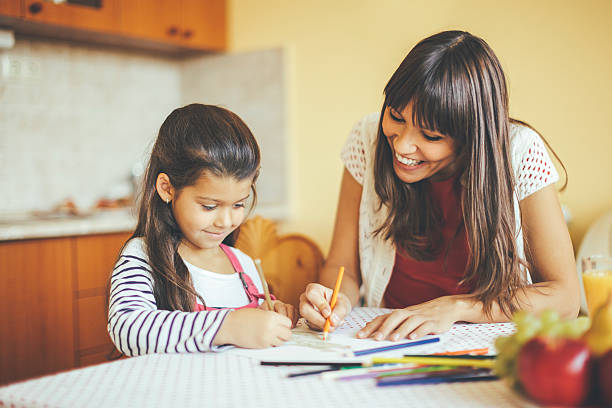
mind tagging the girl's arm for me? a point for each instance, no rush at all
(137, 327)
(344, 251)
(553, 272)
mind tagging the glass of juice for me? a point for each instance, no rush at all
(597, 280)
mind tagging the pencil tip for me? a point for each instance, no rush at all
(324, 336)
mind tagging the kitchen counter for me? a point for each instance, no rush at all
(19, 227)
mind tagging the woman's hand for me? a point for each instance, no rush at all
(315, 308)
(282, 308)
(254, 328)
(433, 317)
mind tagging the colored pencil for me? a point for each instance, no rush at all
(435, 360)
(332, 304)
(364, 373)
(264, 283)
(436, 379)
(480, 351)
(313, 363)
(364, 352)
(468, 356)
(312, 372)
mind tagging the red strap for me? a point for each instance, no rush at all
(232, 257)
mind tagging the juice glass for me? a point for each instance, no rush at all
(597, 280)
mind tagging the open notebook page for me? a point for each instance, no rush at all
(307, 345)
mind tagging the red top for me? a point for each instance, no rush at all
(413, 282)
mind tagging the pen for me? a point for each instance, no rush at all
(264, 283)
(333, 301)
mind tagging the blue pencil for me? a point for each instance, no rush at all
(395, 346)
(436, 379)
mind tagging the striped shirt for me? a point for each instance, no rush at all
(135, 324)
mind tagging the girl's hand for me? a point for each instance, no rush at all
(254, 328)
(433, 317)
(282, 308)
(315, 308)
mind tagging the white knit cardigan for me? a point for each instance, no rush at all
(533, 170)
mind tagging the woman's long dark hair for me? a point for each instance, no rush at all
(456, 86)
(193, 140)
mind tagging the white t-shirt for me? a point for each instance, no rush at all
(225, 290)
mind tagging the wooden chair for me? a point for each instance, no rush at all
(289, 262)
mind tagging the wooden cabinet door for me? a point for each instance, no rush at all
(106, 19)
(10, 8)
(36, 300)
(195, 24)
(203, 24)
(152, 19)
(95, 258)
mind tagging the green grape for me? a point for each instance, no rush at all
(549, 317)
(576, 328)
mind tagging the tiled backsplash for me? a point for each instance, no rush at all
(82, 118)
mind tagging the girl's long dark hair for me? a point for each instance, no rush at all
(193, 140)
(456, 86)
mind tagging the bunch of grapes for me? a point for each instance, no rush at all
(548, 324)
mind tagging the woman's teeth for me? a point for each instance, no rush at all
(407, 162)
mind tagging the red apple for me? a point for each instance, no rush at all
(555, 371)
(605, 377)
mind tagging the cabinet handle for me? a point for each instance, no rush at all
(187, 33)
(35, 8)
(172, 31)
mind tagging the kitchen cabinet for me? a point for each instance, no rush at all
(10, 8)
(175, 26)
(53, 294)
(104, 18)
(194, 24)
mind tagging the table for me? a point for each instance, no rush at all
(232, 378)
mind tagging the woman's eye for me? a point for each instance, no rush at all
(395, 116)
(432, 138)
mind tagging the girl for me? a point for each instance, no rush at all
(177, 286)
(448, 210)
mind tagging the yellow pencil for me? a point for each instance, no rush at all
(332, 303)
(264, 283)
(436, 361)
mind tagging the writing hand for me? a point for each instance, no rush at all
(315, 308)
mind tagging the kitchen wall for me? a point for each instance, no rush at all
(77, 119)
(556, 56)
(78, 124)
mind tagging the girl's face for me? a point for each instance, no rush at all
(210, 210)
(417, 153)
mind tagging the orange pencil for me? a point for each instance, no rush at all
(333, 300)
(481, 351)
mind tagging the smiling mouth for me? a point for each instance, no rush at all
(406, 161)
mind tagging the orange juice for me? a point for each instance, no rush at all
(597, 287)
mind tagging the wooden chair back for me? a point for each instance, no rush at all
(289, 262)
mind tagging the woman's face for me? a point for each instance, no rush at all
(417, 153)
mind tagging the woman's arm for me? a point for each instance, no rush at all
(552, 268)
(344, 251)
(549, 250)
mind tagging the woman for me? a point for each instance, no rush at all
(447, 210)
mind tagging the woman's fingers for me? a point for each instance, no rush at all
(371, 326)
(313, 304)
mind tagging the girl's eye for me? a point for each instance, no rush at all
(395, 116)
(239, 205)
(209, 207)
